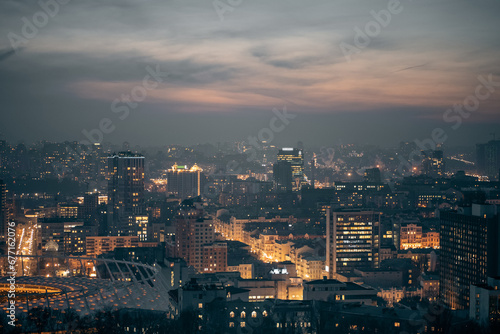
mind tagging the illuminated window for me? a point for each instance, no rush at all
(243, 315)
(397, 324)
(254, 314)
(231, 314)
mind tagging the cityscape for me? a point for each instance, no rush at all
(235, 167)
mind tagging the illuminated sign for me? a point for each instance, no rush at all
(279, 271)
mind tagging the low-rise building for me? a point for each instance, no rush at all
(334, 290)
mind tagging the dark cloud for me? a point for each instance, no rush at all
(6, 54)
(223, 74)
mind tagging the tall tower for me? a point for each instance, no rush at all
(125, 192)
(293, 159)
(470, 252)
(352, 240)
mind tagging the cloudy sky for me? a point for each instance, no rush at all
(225, 69)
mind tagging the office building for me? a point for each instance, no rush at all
(469, 252)
(290, 160)
(67, 211)
(125, 191)
(488, 159)
(352, 240)
(184, 182)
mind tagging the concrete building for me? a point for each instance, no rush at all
(353, 240)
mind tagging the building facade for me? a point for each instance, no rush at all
(125, 192)
(353, 240)
(469, 252)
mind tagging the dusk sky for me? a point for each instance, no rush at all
(226, 75)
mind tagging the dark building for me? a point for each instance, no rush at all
(282, 171)
(373, 175)
(295, 157)
(488, 159)
(88, 210)
(148, 255)
(469, 252)
(125, 191)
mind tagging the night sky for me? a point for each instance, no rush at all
(225, 76)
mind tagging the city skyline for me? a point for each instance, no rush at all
(229, 166)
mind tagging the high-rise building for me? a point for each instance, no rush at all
(282, 172)
(352, 240)
(488, 159)
(433, 163)
(470, 251)
(290, 160)
(184, 182)
(3, 209)
(125, 191)
(195, 239)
